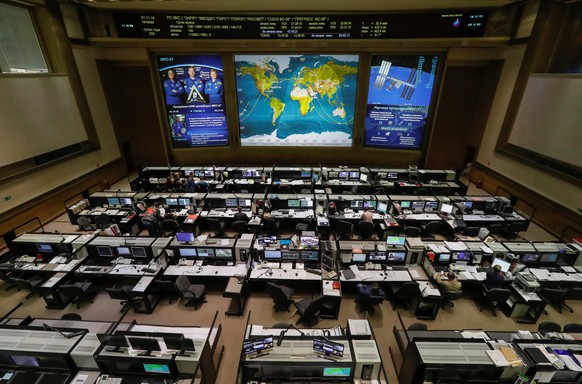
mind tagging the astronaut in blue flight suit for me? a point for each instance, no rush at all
(193, 81)
(178, 127)
(173, 89)
(213, 88)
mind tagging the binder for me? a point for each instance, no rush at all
(537, 356)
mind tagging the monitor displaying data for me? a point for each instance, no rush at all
(296, 100)
(395, 240)
(502, 263)
(400, 94)
(193, 91)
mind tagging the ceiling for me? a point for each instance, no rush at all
(282, 6)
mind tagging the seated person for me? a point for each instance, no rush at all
(450, 285)
(367, 291)
(240, 216)
(367, 216)
(150, 220)
(494, 278)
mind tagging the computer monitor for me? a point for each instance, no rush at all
(271, 254)
(447, 208)
(125, 201)
(249, 173)
(112, 201)
(208, 173)
(444, 257)
(337, 371)
(396, 257)
(508, 210)
(305, 174)
(363, 177)
(205, 252)
(156, 368)
(144, 344)
(289, 255)
(138, 252)
(257, 345)
(332, 175)
(116, 341)
(223, 253)
(382, 207)
(395, 240)
(502, 263)
(327, 262)
(356, 204)
(306, 203)
(104, 251)
(549, 258)
(310, 255)
(185, 237)
(328, 348)
(44, 248)
(171, 202)
(431, 205)
(529, 258)
(245, 203)
(184, 202)
(230, 203)
(377, 256)
(392, 175)
(370, 204)
(122, 251)
(25, 361)
(405, 204)
(309, 241)
(181, 344)
(266, 240)
(358, 257)
(355, 175)
(187, 252)
(418, 205)
(344, 174)
(468, 204)
(293, 203)
(461, 256)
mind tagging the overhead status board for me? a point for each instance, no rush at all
(359, 26)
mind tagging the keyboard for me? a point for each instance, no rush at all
(92, 269)
(314, 271)
(124, 261)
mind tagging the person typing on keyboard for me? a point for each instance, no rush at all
(367, 291)
(449, 285)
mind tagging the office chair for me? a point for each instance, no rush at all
(403, 293)
(367, 303)
(195, 293)
(572, 294)
(85, 224)
(8, 279)
(471, 232)
(418, 327)
(423, 192)
(124, 294)
(492, 297)
(432, 228)
(495, 229)
(412, 231)
(308, 310)
(32, 285)
(284, 189)
(169, 227)
(554, 297)
(573, 328)
(269, 226)
(240, 227)
(165, 288)
(78, 292)
(71, 316)
(449, 297)
(103, 221)
(343, 229)
(280, 325)
(365, 229)
(300, 227)
(216, 226)
(511, 230)
(281, 296)
(549, 326)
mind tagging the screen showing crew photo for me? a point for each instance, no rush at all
(296, 100)
(399, 100)
(193, 91)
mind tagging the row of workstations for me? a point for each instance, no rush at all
(275, 178)
(49, 351)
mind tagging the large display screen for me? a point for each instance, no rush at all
(300, 100)
(194, 97)
(399, 100)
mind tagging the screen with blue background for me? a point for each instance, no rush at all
(399, 100)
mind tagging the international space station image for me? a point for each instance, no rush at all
(395, 83)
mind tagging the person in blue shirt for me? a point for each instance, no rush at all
(173, 89)
(213, 88)
(192, 81)
(367, 291)
(494, 278)
(191, 183)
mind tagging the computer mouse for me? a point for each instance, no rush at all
(216, 272)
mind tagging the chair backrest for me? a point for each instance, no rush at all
(281, 325)
(84, 223)
(71, 316)
(70, 290)
(103, 220)
(269, 224)
(366, 228)
(240, 226)
(182, 283)
(471, 231)
(315, 306)
(451, 295)
(418, 327)
(407, 290)
(214, 224)
(170, 225)
(343, 226)
(412, 232)
(21, 283)
(433, 227)
(574, 294)
(498, 294)
(275, 292)
(164, 286)
(118, 294)
(372, 300)
(553, 295)
(495, 229)
(549, 326)
(573, 328)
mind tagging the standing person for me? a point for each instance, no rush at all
(173, 89)
(367, 216)
(240, 216)
(494, 278)
(450, 285)
(194, 87)
(213, 88)
(191, 183)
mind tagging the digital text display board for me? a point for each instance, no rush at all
(400, 92)
(350, 26)
(296, 100)
(194, 99)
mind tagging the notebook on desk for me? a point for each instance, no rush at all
(348, 274)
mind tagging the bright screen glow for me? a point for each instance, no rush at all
(156, 368)
(223, 253)
(502, 263)
(358, 257)
(185, 237)
(270, 254)
(382, 207)
(447, 208)
(337, 371)
(395, 240)
(188, 252)
(296, 100)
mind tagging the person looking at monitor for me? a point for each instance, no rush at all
(191, 183)
(449, 285)
(367, 291)
(367, 216)
(173, 89)
(240, 216)
(494, 278)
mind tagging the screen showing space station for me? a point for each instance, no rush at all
(399, 100)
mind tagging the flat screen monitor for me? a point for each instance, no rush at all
(447, 208)
(392, 175)
(249, 173)
(223, 253)
(370, 204)
(332, 175)
(230, 203)
(356, 204)
(305, 174)
(358, 257)
(461, 256)
(431, 205)
(405, 204)
(337, 371)
(444, 257)
(187, 252)
(44, 248)
(396, 256)
(310, 255)
(502, 263)
(184, 202)
(156, 368)
(245, 203)
(508, 210)
(549, 258)
(363, 177)
(344, 175)
(271, 254)
(125, 201)
(266, 240)
(171, 202)
(418, 205)
(199, 173)
(117, 341)
(289, 255)
(144, 344)
(112, 201)
(327, 262)
(355, 175)
(257, 345)
(208, 173)
(205, 252)
(468, 204)
(491, 206)
(309, 241)
(25, 361)
(377, 256)
(395, 240)
(529, 257)
(382, 207)
(138, 252)
(306, 203)
(122, 251)
(104, 251)
(181, 344)
(293, 203)
(185, 237)
(327, 347)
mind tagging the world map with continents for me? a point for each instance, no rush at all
(296, 100)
